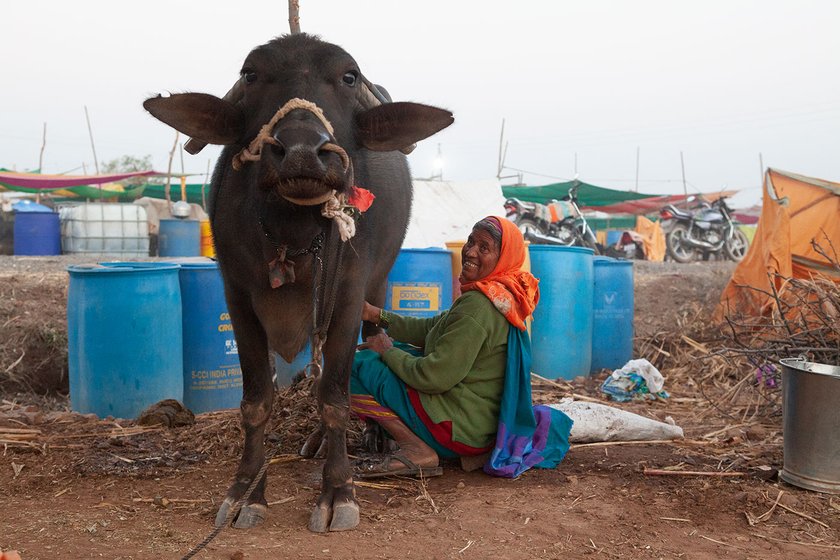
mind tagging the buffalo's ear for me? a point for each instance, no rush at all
(394, 126)
(199, 115)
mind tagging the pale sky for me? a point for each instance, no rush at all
(583, 83)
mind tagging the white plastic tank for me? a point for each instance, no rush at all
(106, 229)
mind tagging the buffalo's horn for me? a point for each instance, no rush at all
(371, 97)
(374, 89)
(233, 95)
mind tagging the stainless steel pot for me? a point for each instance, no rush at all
(811, 409)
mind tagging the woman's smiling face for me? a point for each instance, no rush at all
(479, 256)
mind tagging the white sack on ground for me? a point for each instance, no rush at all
(446, 210)
(598, 422)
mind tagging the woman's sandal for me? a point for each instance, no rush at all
(381, 470)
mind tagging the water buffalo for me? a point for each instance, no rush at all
(302, 129)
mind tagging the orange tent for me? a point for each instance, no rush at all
(795, 210)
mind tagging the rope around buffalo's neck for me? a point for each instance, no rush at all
(335, 206)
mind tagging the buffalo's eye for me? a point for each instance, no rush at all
(350, 78)
(250, 76)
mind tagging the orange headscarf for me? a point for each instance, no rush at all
(512, 290)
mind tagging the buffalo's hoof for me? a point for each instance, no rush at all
(224, 509)
(315, 444)
(250, 516)
(345, 517)
(342, 517)
(320, 519)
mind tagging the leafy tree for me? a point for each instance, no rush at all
(130, 164)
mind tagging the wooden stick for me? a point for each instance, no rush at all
(172, 500)
(93, 148)
(294, 16)
(831, 546)
(168, 189)
(41, 161)
(542, 379)
(17, 442)
(720, 542)
(5, 431)
(806, 516)
(722, 430)
(283, 501)
(285, 459)
(639, 442)
(662, 472)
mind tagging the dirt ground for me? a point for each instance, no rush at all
(81, 487)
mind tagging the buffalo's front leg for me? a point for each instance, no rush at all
(257, 398)
(336, 508)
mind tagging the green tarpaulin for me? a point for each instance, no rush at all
(193, 192)
(613, 222)
(588, 195)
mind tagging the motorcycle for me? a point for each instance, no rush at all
(706, 231)
(560, 222)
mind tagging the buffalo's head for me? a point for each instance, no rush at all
(301, 155)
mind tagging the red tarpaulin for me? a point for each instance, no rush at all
(47, 182)
(642, 206)
(653, 204)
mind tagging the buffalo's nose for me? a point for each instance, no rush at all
(301, 141)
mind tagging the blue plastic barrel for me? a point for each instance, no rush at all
(37, 233)
(212, 375)
(612, 313)
(125, 350)
(561, 334)
(613, 236)
(420, 283)
(179, 238)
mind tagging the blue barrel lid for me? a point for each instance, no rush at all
(561, 248)
(33, 207)
(199, 266)
(194, 263)
(423, 250)
(610, 261)
(118, 267)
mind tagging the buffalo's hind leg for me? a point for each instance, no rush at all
(336, 508)
(257, 399)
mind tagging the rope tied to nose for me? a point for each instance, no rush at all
(335, 207)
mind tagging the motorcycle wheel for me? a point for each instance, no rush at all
(527, 225)
(737, 247)
(677, 248)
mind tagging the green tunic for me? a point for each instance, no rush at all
(460, 376)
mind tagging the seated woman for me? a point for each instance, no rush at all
(446, 401)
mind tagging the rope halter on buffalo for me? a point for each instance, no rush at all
(335, 207)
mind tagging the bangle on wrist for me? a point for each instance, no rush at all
(383, 320)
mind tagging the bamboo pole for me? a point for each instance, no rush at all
(203, 184)
(685, 188)
(93, 148)
(501, 143)
(183, 177)
(294, 16)
(41, 160)
(169, 172)
(637, 168)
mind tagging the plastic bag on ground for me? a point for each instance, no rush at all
(598, 422)
(638, 379)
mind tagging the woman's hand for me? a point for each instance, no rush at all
(370, 313)
(379, 343)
